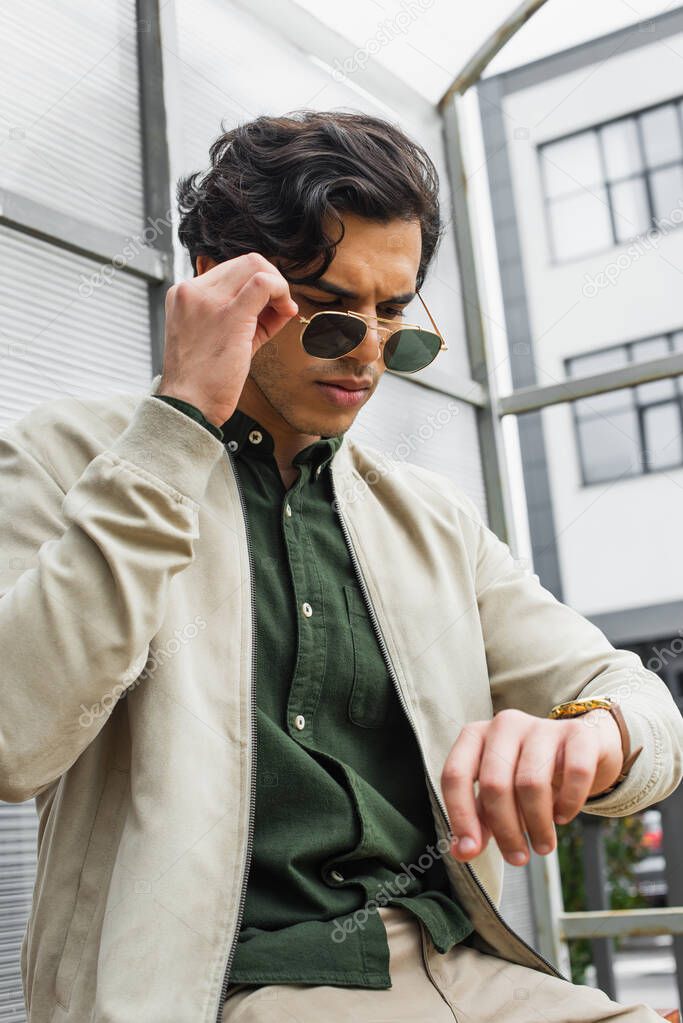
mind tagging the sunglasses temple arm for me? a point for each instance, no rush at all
(431, 318)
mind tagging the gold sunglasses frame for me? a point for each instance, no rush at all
(389, 331)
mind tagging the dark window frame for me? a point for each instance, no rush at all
(607, 182)
(644, 468)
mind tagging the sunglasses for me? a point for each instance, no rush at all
(408, 347)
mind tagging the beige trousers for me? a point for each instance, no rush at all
(464, 985)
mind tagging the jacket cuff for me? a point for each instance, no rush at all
(193, 412)
(164, 442)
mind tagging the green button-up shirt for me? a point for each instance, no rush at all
(342, 814)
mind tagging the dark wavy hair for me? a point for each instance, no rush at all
(273, 180)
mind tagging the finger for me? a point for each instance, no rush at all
(579, 763)
(230, 275)
(485, 829)
(261, 290)
(457, 785)
(271, 321)
(533, 785)
(497, 790)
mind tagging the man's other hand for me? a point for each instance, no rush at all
(532, 772)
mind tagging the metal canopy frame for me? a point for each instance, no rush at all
(78, 236)
(530, 399)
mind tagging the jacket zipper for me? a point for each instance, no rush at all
(252, 726)
(394, 678)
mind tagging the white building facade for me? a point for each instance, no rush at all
(585, 163)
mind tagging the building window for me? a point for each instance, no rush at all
(614, 181)
(634, 430)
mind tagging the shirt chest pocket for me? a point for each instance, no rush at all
(370, 687)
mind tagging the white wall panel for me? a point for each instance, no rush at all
(69, 125)
(59, 334)
(415, 424)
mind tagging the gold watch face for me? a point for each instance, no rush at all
(573, 708)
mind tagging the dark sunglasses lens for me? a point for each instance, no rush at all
(330, 335)
(408, 350)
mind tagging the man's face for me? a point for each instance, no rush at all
(377, 265)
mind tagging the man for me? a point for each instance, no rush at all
(284, 706)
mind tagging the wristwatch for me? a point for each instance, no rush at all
(573, 708)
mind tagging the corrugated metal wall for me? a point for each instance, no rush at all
(70, 142)
(17, 871)
(69, 108)
(60, 334)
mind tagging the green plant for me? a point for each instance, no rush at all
(623, 849)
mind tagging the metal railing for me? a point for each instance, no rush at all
(601, 925)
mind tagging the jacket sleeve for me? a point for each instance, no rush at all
(541, 652)
(193, 412)
(84, 580)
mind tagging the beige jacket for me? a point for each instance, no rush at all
(127, 696)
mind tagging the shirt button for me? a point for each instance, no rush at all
(288, 510)
(307, 609)
(255, 436)
(232, 445)
(300, 722)
(336, 876)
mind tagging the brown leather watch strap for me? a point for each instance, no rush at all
(629, 757)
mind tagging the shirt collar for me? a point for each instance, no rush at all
(244, 435)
